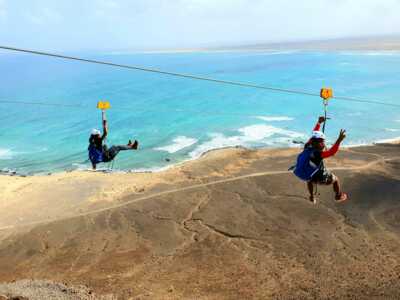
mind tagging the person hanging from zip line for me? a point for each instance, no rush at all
(310, 165)
(98, 150)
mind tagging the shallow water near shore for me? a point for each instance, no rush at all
(179, 119)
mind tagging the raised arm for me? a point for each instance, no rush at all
(318, 125)
(105, 129)
(316, 128)
(335, 148)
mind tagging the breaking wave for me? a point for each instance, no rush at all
(6, 153)
(179, 143)
(274, 118)
(258, 134)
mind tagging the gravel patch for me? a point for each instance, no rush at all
(43, 290)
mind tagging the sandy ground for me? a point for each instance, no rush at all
(44, 289)
(231, 225)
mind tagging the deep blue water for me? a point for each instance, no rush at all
(179, 119)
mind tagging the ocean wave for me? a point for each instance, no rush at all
(7, 171)
(363, 143)
(356, 144)
(152, 169)
(179, 143)
(81, 166)
(385, 141)
(259, 132)
(253, 134)
(392, 129)
(6, 153)
(274, 118)
(354, 114)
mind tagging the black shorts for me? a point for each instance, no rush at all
(323, 177)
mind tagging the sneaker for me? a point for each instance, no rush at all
(341, 198)
(313, 200)
(135, 145)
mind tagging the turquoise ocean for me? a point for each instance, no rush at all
(177, 119)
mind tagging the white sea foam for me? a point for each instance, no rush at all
(356, 144)
(284, 142)
(179, 143)
(386, 141)
(274, 118)
(354, 114)
(260, 131)
(6, 153)
(81, 166)
(253, 134)
(153, 169)
(7, 171)
(392, 129)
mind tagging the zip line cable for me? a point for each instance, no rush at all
(43, 103)
(189, 76)
(177, 110)
(158, 71)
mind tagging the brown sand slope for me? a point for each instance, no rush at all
(244, 232)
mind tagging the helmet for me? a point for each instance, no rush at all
(318, 135)
(95, 132)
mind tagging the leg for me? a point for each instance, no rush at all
(120, 148)
(339, 195)
(318, 178)
(114, 150)
(310, 186)
(336, 187)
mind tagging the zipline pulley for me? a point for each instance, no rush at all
(103, 105)
(326, 94)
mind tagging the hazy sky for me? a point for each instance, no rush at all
(138, 24)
